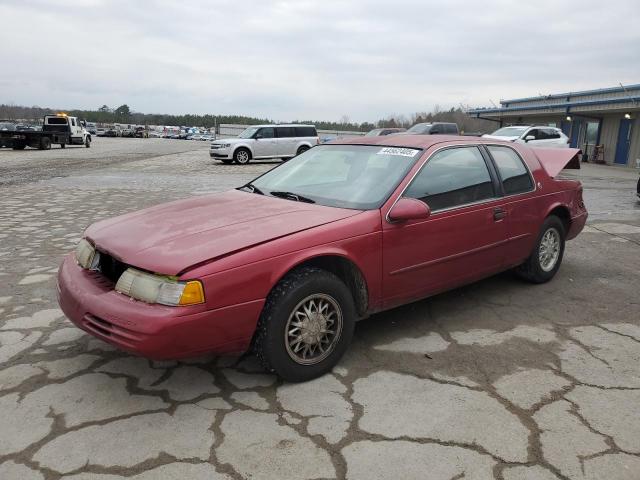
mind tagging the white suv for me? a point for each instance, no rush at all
(265, 141)
(537, 136)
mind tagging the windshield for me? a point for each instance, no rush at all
(509, 131)
(248, 133)
(347, 176)
(420, 128)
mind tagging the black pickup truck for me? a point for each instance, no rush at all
(56, 130)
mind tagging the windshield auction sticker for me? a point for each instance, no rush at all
(404, 152)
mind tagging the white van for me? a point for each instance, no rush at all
(265, 141)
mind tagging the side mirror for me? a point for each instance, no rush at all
(529, 138)
(407, 209)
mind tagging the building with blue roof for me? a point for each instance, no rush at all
(606, 116)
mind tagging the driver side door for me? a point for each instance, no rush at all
(463, 238)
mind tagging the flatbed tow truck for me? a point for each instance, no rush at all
(59, 129)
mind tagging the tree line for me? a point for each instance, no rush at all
(124, 114)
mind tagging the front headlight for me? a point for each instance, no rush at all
(225, 145)
(151, 288)
(86, 255)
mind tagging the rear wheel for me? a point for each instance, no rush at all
(306, 325)
(19, 146)
(545, 260)
(242, 156)
(302, 149)
(45, 143)
(63, 145)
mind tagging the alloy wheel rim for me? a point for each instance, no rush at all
(242, 157)
(549, 250)
(313, 329)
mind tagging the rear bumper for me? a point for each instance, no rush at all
(153, 331)
(577, 224)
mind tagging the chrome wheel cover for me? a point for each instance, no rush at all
(313, 329)
(549, 250)
(242, 156)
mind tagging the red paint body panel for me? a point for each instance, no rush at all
(166, 238)
(241, 244)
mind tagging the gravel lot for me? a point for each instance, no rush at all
(499, 379)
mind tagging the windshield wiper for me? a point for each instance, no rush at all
(253, 189)
(292, 196)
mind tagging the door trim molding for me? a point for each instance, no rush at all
(457, 255)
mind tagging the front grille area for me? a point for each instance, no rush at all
(111, 267)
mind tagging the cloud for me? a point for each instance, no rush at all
(309, 59)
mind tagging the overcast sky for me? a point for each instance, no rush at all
(304, 59)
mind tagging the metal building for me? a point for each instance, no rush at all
(609, 117)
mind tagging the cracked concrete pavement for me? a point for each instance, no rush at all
(497, 380)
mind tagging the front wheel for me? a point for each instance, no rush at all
(242, 156)
(545, 260)
(306, 325)
(301, 150)
(87, 142)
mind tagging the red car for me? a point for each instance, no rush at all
(287, 263)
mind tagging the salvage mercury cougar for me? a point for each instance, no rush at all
(286, 264)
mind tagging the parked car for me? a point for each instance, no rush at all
(536, 136)
(435, 128)
(288, 262)
(100, 132)
(155, 134)
(6, 127)
(91, 128)
(377, 132)
(112, 131)
(265, 141)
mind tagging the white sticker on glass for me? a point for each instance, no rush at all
(404, 152)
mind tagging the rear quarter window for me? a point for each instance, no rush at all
(514, 174)
(306, 132)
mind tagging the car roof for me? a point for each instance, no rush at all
(419, 141)
(409, 141)
(282, 125)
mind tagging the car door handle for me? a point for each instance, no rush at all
(499, 213)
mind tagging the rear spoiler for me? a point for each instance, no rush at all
(554, 160)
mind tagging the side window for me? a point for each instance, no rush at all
(533, 132)
(286, 132)
(73, 122)
(266, 132)
(452, 177)
(306, 132)
(552, 133)
(515, 176)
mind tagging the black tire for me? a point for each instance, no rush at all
(302, 149)
(242, 156)
(226, 161)
(19, 146)
(63, 145)
(87, 141)
(270, 342)
(45, 143)
(532, 269)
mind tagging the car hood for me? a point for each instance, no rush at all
(172, 237)
(232, 141)
(500, 137)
